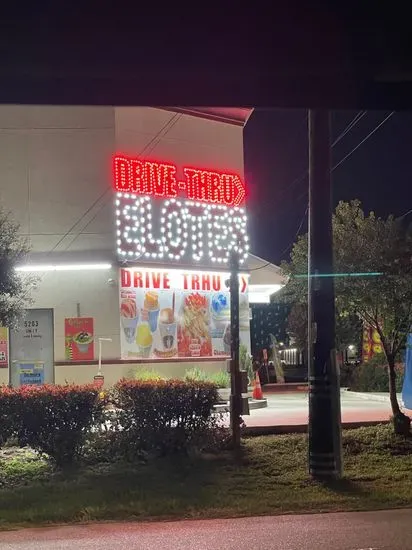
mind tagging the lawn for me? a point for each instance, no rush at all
(269, 478)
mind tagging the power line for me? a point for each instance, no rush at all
(351, 125)
(363, 141)
(261, 266)
(406, 213)
(347, 129)
(297, 232)
(303, 176)
(292, 242)
(169, 124)
(81, 232)
(355, 148)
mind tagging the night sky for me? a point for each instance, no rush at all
(379, 172)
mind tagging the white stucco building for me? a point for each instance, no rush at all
(56, 174)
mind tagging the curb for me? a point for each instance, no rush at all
(254, 431)
(375, 397)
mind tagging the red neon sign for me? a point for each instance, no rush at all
(143, 177)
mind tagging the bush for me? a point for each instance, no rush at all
(346, 375)
(221, 379)
(246, 363)
(161, 416)
(53, 419)
(148, 374)
(373, 377)
(196, 375)
(8, 413)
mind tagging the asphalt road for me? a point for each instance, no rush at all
(386, 530)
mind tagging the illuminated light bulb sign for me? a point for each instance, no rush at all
(198, 219)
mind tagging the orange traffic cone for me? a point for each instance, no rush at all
(257, 388)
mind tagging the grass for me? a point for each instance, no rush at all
(269, 478)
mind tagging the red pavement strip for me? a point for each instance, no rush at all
(297, 422)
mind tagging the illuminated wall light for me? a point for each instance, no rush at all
(62, 267)
(210, 226)
(146, 177)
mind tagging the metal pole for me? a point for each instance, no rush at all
(324, 392)
(99, 371)
(236, 390)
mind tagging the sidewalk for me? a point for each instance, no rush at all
(377, 396)
(289, 412)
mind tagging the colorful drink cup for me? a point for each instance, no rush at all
(151, 304)
(129, 316)
(83, 340)
(167, 328)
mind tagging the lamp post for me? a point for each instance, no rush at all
(99, 378)
(236, 382)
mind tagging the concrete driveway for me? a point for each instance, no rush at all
(291, 409)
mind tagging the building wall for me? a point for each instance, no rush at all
(4, 376)
(54, 163)
(55, 169)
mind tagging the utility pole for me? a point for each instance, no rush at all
(235, 378)
(324, 391)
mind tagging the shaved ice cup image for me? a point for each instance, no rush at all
(153, 317)
(144, 351)
(151, 304)
(167, 328)
(129, 328)
(129, 318)
(220, 308)
(83, 341)
(144, 339)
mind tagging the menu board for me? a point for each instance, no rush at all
(79, 339)
(171, 313)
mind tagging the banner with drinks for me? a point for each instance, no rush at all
(371, 344)
(79, 339)
(165, 314)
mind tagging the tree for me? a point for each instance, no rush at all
(348, 328)
(15, 288)
(297, 326)
(373, 280)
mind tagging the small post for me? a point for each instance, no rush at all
(99, 371)
(236, 389)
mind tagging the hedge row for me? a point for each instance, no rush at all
(164, 416)
(154, 416)
(50, 419)
(370, 377)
